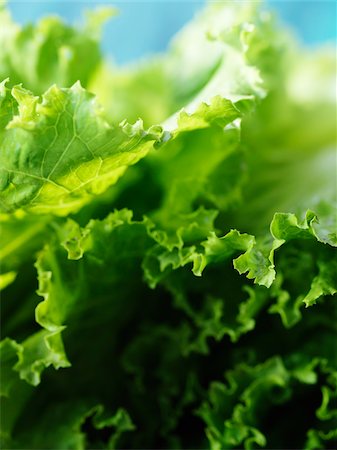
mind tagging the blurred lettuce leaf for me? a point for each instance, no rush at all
(48, 52)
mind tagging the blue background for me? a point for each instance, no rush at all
(145, 27)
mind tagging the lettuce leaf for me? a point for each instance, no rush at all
(245, 402)
(58, 53)
(68, 151)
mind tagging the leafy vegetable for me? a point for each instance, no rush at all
(168, 259)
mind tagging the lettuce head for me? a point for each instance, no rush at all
(168, 238)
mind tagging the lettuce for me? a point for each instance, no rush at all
(168, 238)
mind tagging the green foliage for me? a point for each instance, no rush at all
(168, 283)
